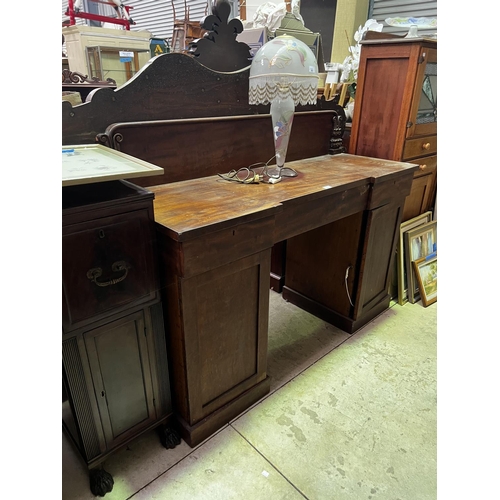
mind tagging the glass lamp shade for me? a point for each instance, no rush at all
(284, 72)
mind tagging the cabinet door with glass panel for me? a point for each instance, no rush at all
(423, 112)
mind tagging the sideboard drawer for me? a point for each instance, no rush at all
(421, 146)
(107, 264)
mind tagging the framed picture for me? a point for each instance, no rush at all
(426, 274)
(418, 221)
(419, 243)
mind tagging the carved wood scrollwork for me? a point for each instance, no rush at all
(218, 49)
(103, 139)
(113, 141)
(69, 77)
(117, 139)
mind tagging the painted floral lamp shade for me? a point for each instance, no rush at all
(284, 72)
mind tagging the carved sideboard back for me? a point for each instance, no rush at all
(193, 120)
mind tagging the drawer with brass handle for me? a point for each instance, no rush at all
(107, 264)
(420, 146)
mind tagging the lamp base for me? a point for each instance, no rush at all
(282, 111)
(274, 173)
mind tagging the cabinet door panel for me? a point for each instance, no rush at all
(382, 231)
(423, 113)
(377, 128)
(119, 363)
(218, 339)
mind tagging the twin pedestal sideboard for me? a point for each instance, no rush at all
(166, 279)
(166, 289)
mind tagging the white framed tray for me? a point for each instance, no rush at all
(90, 163)
(408, 22)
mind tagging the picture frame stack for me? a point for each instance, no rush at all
(417, 260)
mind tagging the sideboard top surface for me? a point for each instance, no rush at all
(195, 205)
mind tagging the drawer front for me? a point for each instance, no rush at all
(426, 166)
(420, 146)
(107, 264)
(423, 189)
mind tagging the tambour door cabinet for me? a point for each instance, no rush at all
(115, 370)
(395, 111)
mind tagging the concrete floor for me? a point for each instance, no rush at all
(348, 417)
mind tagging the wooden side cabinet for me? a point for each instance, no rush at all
(395, 111)
(115, 370)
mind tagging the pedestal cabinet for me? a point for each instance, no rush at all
(341, 272)
(395, 111)
(115, 369)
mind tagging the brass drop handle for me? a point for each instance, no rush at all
(422, 167)
(119, 266)
(426, 145)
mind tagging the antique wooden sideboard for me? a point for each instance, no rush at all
(216, 240)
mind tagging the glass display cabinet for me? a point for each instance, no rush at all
(395, 110)
(425, 114)
(115, 62)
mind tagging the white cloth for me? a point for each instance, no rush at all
(269, 15)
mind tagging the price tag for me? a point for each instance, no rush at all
(126, 56)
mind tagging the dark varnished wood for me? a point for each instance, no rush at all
(163, 89)
(199, 147)
(179, 114)
(73, 81)
(218, 346)
(215, 240)
(115, 369)
(278, 266)
(219, 49)
(111, 222)
(363, 245)
(342, 239)
(195, 434)
(188, 209)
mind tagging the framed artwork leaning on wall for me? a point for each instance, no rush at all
(426, 275)
(419, 243)
(408, 225)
